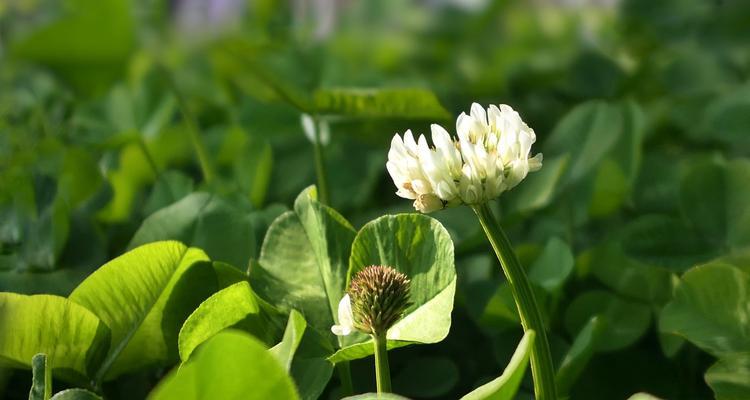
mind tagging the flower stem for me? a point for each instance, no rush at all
(531, 318)
(320, 167)
(382, 372)
(345, 375)
(192, 128)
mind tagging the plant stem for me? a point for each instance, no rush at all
(192, 128)
(320, 168)
(382, 372)
(531, 318)
(149, 159)
(345, 376)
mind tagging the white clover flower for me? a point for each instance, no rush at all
(346, 318)
(490, 156)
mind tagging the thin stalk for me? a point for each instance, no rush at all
(192, 129)
(345, 376)
(320, 167)
(542, 369)
(382, 372)
(149, 159)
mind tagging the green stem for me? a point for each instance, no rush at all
(149, 159)
(320, 168)
(192, 129)
(345, 376)
(531, 318)
(382, 372)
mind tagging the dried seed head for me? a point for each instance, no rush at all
(379, 297)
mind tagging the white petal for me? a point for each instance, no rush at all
(478, 113)
(409, 142)
(346, 318)
(535, 163)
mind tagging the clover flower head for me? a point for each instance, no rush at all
(377, 298)
(489, 156)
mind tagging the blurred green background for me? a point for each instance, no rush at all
(123, 122)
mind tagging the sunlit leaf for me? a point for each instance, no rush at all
(506, 385)
(421, 248)
(236, 306)
(144, 296)
(220, 369)
(72, 337)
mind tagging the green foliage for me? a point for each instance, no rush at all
(729, 377)
(710, 308)
(304, 259)
(143, 297)
(419, 247)
(210, 374)
(71, 336)
(379, 103)
(235, 306)
(506, 385)
(635, 234)
(75, 394)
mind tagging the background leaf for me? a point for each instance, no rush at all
(729, 378)
(710, 309)
(379, 103)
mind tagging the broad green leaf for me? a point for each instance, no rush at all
(303, 261)
(715, 198)
(205, 221)
(144, 296)
(667, 242)
(376, 396)
(583, 348)
(553, 266)
(643, 396)
(41, 381)
(506, 385)
(72, 337)
(624, 321)
(426, 377)
(421, 248)
(250, 159)
(295, 330)
(88, 44)
(379, 103)
(727, 118)
(627, 152)
(230, 365)
(499, 312)
(170, 187)
(610, 189)
(236, 306)
(539, 189)
(711, 309)
(75, 394)
(629, 277)
(729, 377)
(586, 133)
(303, 353)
